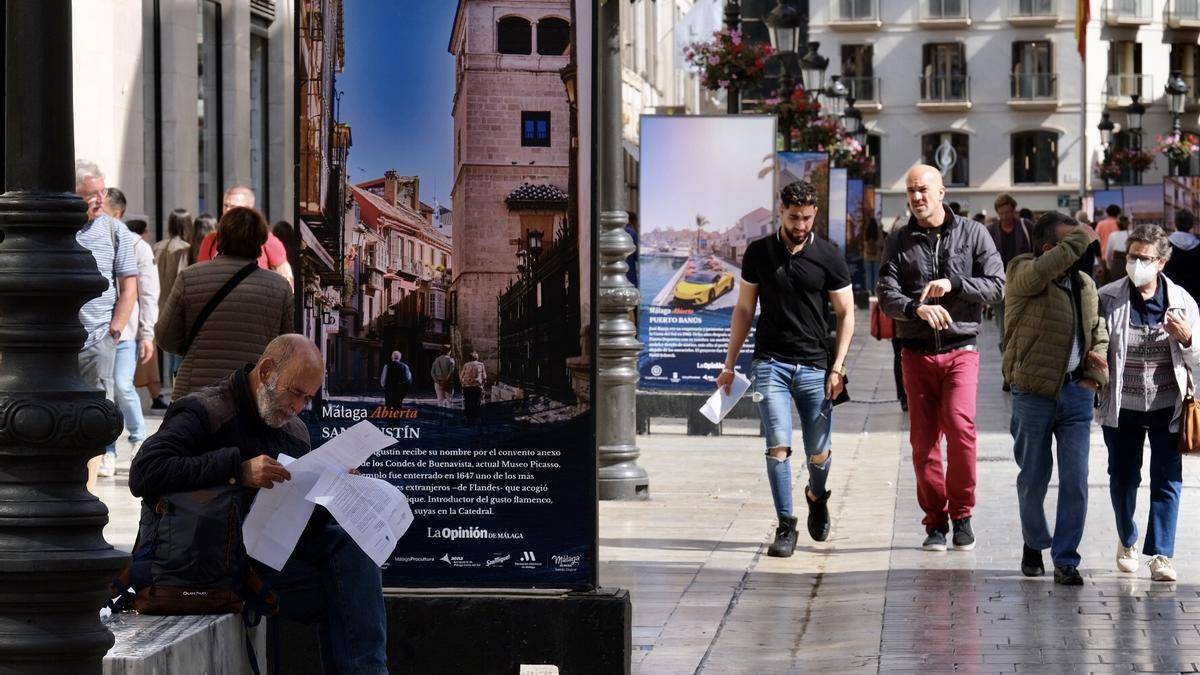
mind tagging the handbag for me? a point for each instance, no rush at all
(1189, 421)
(882, 327)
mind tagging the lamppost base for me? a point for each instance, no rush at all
(624, 482)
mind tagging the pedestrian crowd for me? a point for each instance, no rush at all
(1096, 323)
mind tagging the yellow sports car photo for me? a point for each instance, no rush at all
(702, 287)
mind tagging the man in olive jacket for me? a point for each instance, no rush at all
(1055, 360)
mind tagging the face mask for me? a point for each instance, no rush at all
(1140, 272)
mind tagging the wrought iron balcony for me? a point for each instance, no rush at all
(1127, 12)
(1033, 12)
(945, 89)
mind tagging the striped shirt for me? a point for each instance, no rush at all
(113, 262)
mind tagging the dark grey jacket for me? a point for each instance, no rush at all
(962, 251)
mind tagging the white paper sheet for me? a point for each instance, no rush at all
(279, 515)
(719, 404)
(372, 511)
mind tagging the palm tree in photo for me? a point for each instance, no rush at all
(701, 221)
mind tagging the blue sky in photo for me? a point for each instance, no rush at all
(720, 167)
(397, 89)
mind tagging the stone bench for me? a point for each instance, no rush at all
(158, 645)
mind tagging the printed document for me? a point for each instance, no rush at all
(719, 404)
(373, 512)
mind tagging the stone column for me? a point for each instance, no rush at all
(54, 562)
(616, 400)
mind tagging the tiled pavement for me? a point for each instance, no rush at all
(707, 599)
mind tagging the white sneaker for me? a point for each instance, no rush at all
(108, 466)
(134, 446)
(1160, 568)
(1127, 558)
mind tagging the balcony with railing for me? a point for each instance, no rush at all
(1033, 12)
(1183, 14)
(1128, 12)
(1033, 91)
(1118, 88)
(865, 91)
(854, 14)
(945, 93)
(945, 13)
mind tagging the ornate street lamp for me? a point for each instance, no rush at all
(852, 121)
(1106, 127)
(1177, 91)
(1133, 118)
(784, 23)
(836, 95)
(535, 243)
(812, 69)
(733, 20)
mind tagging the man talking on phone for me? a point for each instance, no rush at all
(938, 273)
(1056, 359)
(789, 274)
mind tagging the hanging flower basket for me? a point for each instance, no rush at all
(1177, 148)
(728, 61)
(794, 110)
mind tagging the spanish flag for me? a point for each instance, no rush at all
(1083, 14)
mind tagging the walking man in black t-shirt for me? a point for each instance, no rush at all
(788, 275)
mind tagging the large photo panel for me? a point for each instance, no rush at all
(707, 190)
(447, 275)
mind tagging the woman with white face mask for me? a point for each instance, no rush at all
(1151, 353)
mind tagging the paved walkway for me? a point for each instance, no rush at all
(707, 599)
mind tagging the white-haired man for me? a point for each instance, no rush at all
(103, 318)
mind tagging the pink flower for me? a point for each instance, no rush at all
(736, 38)
(723, 83)
(713, 60)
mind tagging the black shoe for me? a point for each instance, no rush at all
(1031, 562)
(818, 516)
(785, 539)
(904, 404)
(159, 403)
(1067, 575)
(935, 541)
(964, 536)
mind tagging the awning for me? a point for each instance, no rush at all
(311, 243)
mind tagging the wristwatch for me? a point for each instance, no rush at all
(727, 370)
(840, 370)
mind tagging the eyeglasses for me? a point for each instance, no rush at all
(1144, 258)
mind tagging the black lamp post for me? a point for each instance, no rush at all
(54, 561)
(733, 19)
(784, 23)
(1177, 91)
(1133, 119)
(1106, 127)
(852, 122)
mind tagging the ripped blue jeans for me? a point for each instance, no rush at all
(780, 385)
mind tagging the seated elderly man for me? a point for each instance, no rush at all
(232, 432)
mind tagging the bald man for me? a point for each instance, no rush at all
(938, 273)
(274, 253)
(232, 433)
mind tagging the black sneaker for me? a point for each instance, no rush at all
(159, 403)
(818, 516)
(935, 541)
(964, 536)
(1067, 575)
(1031, 562)
(785, 539)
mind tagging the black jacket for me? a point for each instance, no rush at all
(962, 251)
(205, 437)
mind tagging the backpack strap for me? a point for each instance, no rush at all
(216, 300)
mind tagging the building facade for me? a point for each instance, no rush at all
(177, 100)
(511, 141)
(1000, 88)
